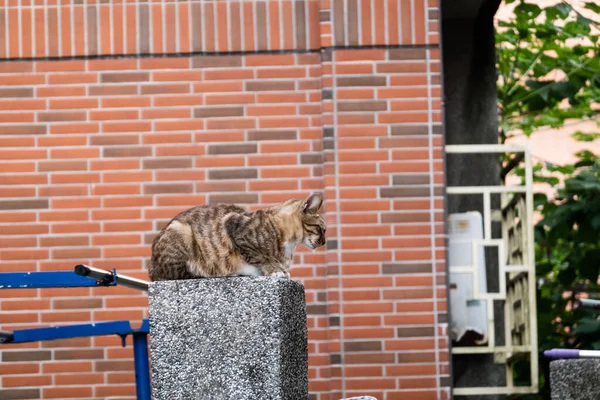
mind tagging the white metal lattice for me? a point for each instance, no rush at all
(516, 272)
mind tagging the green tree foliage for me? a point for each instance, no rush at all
(548, 66)
(549, 74)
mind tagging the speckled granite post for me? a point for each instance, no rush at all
(237, 338)
(577, 379)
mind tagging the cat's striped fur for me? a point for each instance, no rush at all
(227, 240)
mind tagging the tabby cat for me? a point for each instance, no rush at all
(226, 240)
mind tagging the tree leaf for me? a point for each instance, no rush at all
(585, 136)
(595, 7)
(588, 326)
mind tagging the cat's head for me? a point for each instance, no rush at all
(313, 225)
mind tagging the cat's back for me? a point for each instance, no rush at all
(193, 244)
(207, 214)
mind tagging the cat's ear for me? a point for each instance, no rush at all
(313, 203)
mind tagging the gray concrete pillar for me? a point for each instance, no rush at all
(575, 379)
(229, 338)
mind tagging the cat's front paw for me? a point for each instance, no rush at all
(280, 274)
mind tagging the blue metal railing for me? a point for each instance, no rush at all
(84, 276)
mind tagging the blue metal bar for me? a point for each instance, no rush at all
(142, 368)
(122, 328)
(54, 279)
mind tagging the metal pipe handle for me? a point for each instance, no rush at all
(108, 276)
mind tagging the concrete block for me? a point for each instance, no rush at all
(239, 338)
(575, 379)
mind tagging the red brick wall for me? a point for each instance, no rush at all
(96, 153)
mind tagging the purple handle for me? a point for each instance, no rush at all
(562, 353)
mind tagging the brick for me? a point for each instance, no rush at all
(63, 215)
(19, 104)
(19, 394)
(23, 179)
(16, 92)
(174, 76)
(21, 368)
(361, 106)
(115, 164)
(180, 125)
(23, 204)
(63, 104)
(66, 316)
(231, 124)
(16, 356)
(72, 78)
(118, 177)
(360, 55)
(278, 73)
(400, 92)
(266, 60)
(172, 113)
(105, 240)
(79, 379)
(67, 392)
(269, 85)
(80, 152)
(181, 200)
(152, 88)
(284, 122)
(134, 151)
(415, 332)
(190, 175)
(220, 186)
(361, 81)
(220, 61)
(353, 69)
(64, 241)
(411, 268)
(118, 102)
(409, 130)
(369, 358)
(281, 98)
(168, 188)
(79, 354)
(232, 149)
(285, 172)
(104, 190)
(74, 128)
(58, 116)
(113, 115)
(268, 110)
(80, 252)
(17, 242)
(107, 140)
(233, 174)
(17, 167)
(115, 214)
(405, 192)
(283, 147)
(116, 90)
(272, 135)
(242, 98)
(103, 366)
(214, 112)
(233, 198)
(118, 77)
(9, 117)
(407, 54)
(171, 138)
(52, 166)
(167, 163)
